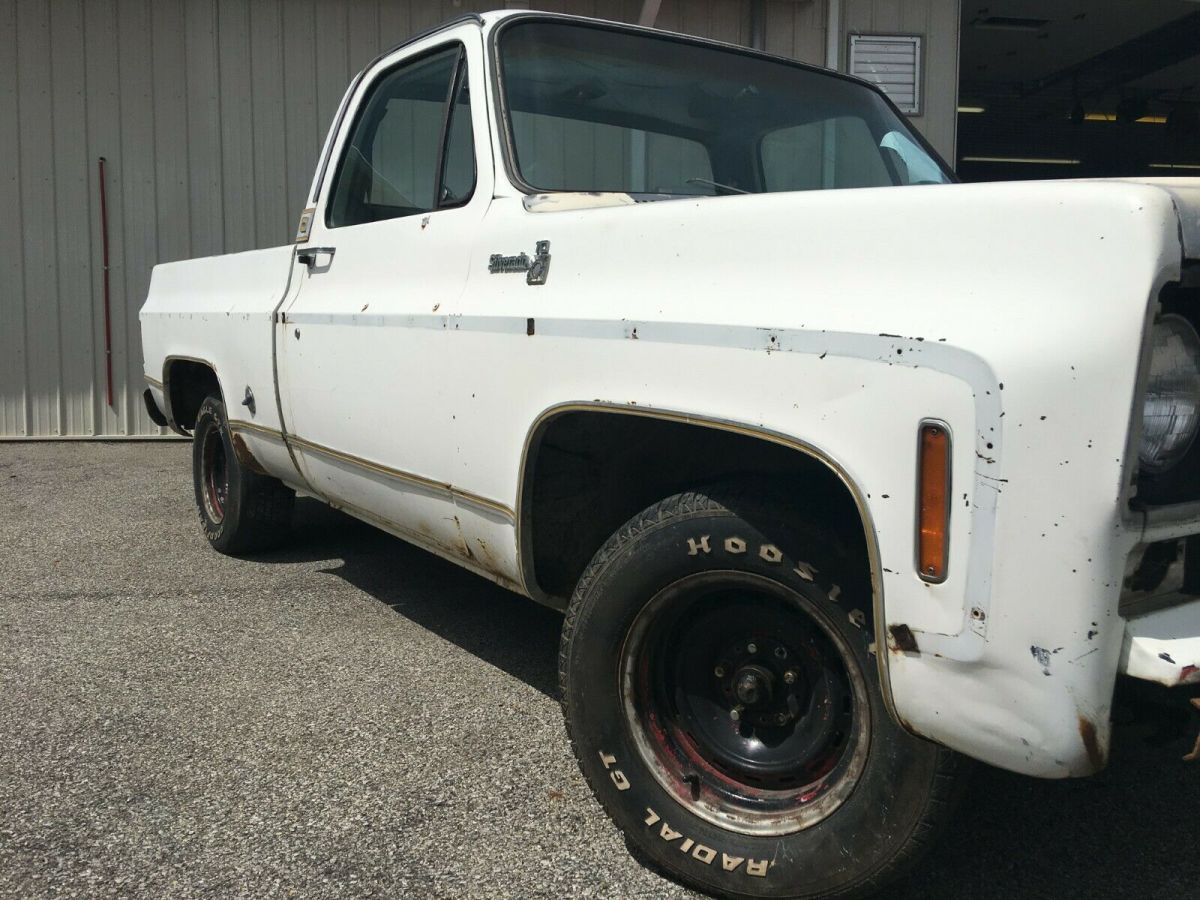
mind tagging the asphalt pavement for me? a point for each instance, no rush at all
(355, 717)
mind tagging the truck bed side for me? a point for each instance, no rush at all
(219, 311)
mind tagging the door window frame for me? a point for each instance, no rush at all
(366, 93)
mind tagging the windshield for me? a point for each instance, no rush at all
(600, 109)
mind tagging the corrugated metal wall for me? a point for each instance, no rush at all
(210, 114)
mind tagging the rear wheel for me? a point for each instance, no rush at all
(241, 511)
(722, 696)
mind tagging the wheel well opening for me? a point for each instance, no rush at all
(588, 472)
(187, 384)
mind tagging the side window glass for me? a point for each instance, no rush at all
(389, 165)
(458, 165)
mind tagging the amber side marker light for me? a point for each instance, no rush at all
(933, 511)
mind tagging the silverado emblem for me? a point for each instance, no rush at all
(535, 269)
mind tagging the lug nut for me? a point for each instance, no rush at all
(736, 712)
(780, 653)
(752, 648)
(789, 677)
(719, 671)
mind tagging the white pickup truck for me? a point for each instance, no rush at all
(841, 471)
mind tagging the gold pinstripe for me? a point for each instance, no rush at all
(429, 484)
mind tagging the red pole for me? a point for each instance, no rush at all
(107, 305)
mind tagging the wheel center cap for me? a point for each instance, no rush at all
(753, 685)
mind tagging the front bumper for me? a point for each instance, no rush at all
(1164, 646)
(1162, 625)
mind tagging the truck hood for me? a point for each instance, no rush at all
(1184, 194)
(1018, 274)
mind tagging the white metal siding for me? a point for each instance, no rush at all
(210, 114)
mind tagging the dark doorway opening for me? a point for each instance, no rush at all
(1074, 89)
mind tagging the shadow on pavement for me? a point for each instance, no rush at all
(1132, 830)
(508, 631)
(1129, 831)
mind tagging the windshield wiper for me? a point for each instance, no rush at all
(717, 185)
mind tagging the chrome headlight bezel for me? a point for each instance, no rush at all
(1171, 399)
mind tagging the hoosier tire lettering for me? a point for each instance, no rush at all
(770, 553)
(737, 546)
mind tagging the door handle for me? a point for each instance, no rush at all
(310, 255)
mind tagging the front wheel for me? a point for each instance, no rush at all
(241, 510)
(723, 701)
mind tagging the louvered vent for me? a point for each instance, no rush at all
(893, 62)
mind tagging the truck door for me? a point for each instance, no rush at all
(362, 350)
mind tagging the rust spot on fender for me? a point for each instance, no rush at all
(244, 456)
(463, 547)
(1091, 743)
(902, 639)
